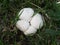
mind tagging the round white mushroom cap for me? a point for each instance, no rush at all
(37, 21)
(30, 31)
(22, 25)
(26, 14)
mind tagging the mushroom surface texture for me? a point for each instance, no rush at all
(37, 21)
(31, 30)
(22, 25)
(26, 14)
(29, 22)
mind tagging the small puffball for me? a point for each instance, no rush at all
(30, 31)
(22, 25)
(26, 14)
(37, 21)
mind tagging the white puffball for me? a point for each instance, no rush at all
(29, 23)
(30, 31)
(26, 14)
(22, 25)
(37, 21)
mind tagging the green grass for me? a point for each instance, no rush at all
(48, 35)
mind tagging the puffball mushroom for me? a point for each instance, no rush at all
(22, 25)
(31, 30)
(26, 14)
(28, 23)
(37, 21)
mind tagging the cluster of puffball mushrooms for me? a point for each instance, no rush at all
(29, 23)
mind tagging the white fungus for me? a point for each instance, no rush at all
(26, 14)
(37, 21)
(30, 31)
(22, 25)
(28, 23)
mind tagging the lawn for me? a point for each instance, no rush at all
(49, 34)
